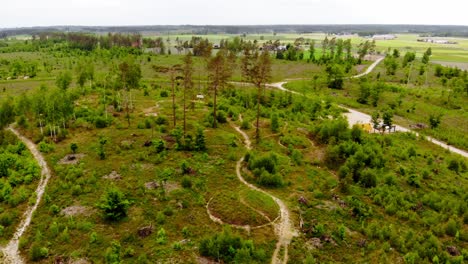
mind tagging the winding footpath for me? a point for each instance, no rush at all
(284, 228)
(356, 117)
(11, 252)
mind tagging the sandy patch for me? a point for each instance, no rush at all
(151, 185)
(171, 186)
(113, 176)
(152, 111)
(77, 210)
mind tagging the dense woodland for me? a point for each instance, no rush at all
(142, 144)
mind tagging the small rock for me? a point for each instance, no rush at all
(328, 239)
(453, 250)
(60, 260)
(303, 200)
(315, 243)
(71, 159)
(145, 231)
(362, 243)
(184, 241)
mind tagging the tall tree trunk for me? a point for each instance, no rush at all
(173, 103)
(185, 127)
(127, 110)
(214, 107)
(257, 130)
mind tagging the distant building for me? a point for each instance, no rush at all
(281, 48)
(437, 41)
(384, 37)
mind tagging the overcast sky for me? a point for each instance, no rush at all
(20, 13)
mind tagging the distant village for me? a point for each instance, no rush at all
(437, 41)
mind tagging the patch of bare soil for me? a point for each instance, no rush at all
(77, 210)
(171, 186)
(327, 205)
(151, 185)
(152, 111)
(71, 159)
(79, 261)
(66, 260)
(202, 260)
(314, 243)
(145, 166)
(113, 176)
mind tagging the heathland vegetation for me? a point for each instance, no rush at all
(177, 149)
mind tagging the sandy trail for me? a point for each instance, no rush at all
(356, 117)
(284, 228)
(369, 69)
(11, 252)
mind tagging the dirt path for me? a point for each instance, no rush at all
(284, 229)
(369, 69)
(11, 252)
(356, 117)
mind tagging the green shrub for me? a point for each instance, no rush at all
(164, 93)
(161, 120)
(265, 162)
(73, 147)
(368, 178)
(186, 182)
(274, 123)
(451, 227)
(245, 124)
(161, 237)
(114, 205)
(414, 180)
(45, 147)
(101, 122)
(221, 117)
(158, 145)
(296, 156)
(270, 180)
(129, 252)
(177, 246)
(112, 255)
(200, 142)
(93, 238)
(230, 248)
(160, 218)
(37, 252)
(54, 209)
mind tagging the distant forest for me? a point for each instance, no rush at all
(363, 30)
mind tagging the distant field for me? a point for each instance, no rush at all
(405, 42)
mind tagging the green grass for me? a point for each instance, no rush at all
(181, 212)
